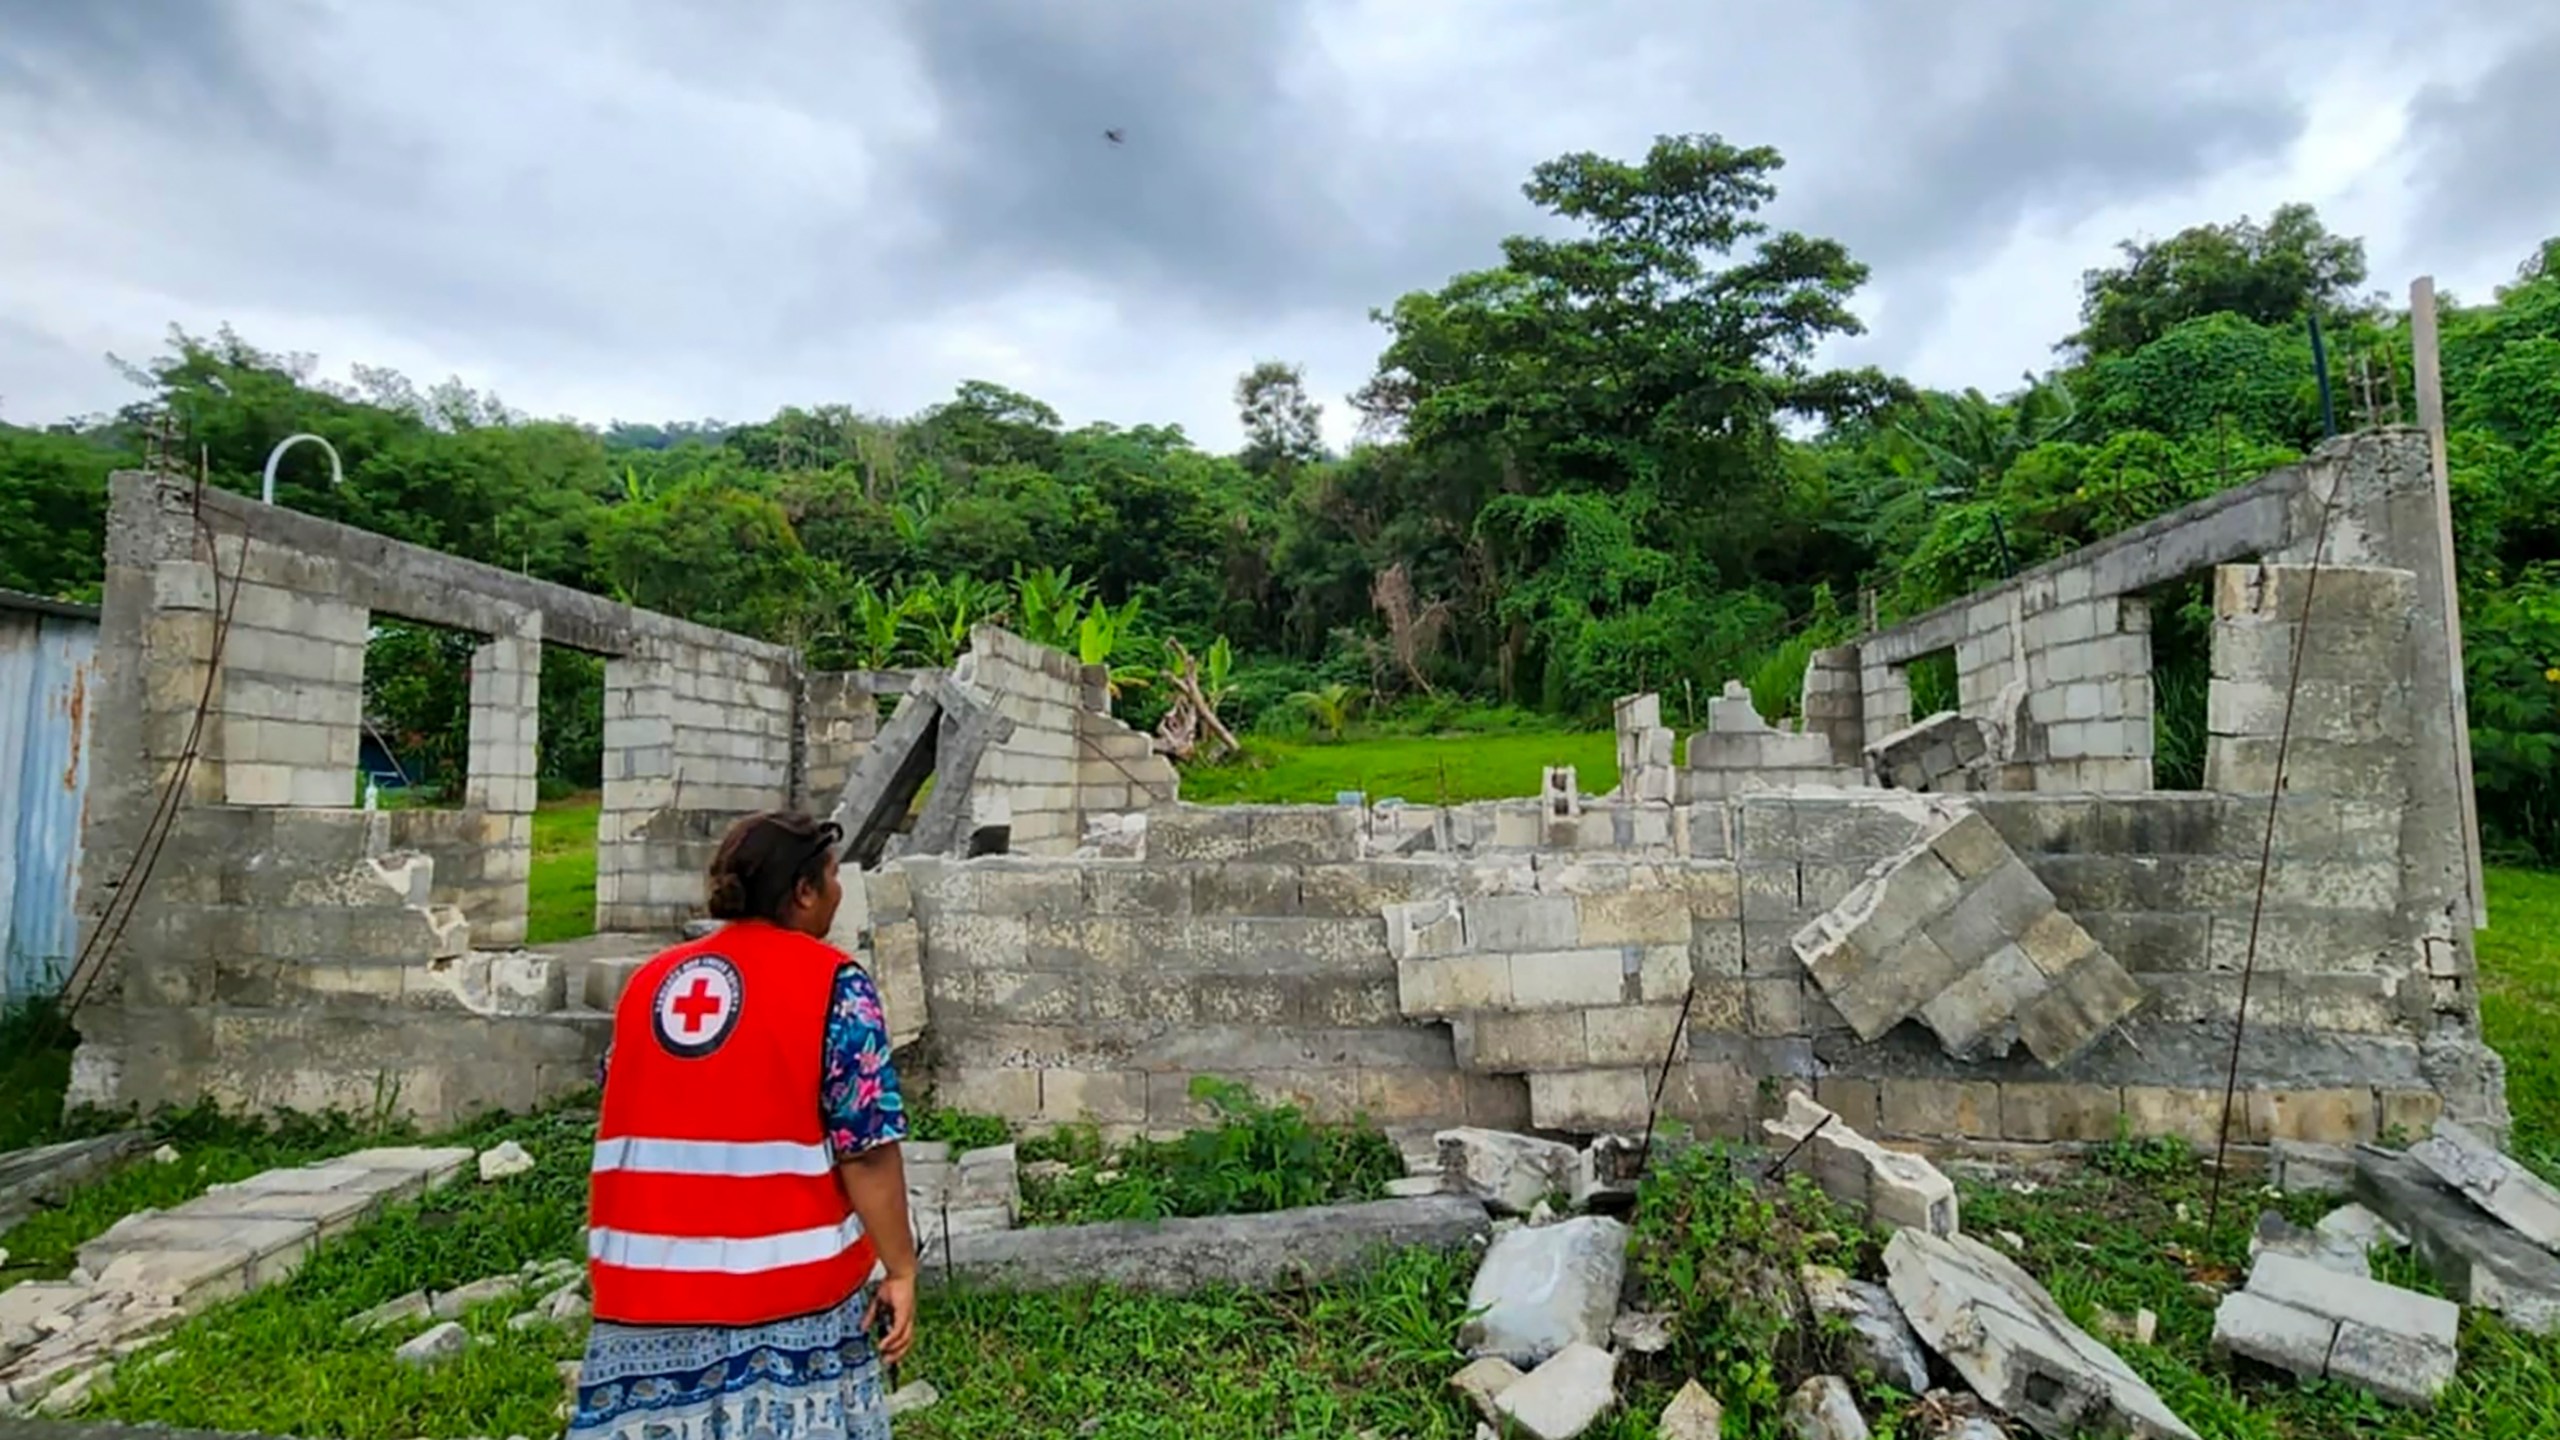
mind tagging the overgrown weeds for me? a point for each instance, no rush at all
(1253, 1158)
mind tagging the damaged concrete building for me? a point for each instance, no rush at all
(1982, 927)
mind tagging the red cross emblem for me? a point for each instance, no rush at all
(696, 1006)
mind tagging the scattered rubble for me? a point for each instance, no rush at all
(1892, 1189)
(434, 1346)
(2275, 1235)
(1279, 1249)
(152, 1269)
(165, 1155)
(913, 1396)
(455, 1303)
(406, 1310)
(2014, 1346)
(1882, 1342)
(1642, 1332)
(2478, 1260)
(1509, 1173)
(1693, 1414)
(1824, 1408)
(1542, 1289)
(2316, 1322)
(505, 1160)
(2495, 1182)
(2300, 1167)
(1483, 1381)
(1946, 752)
(1561, 1398)
(2366, 1232)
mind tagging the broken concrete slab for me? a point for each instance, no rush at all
(1542, 1288)
(2014, 1346)
(1509, 1172)
(2301, 1167)
(434, 1346)
(2478, 1260)
(1277, 1250)
(45, 1173)
(2276, 1235)
(2356, 1227)
(1892, 1189)
(1483, 1380)
(1881, 1341)
(1561, 1398)
(2318, 1323)
(2494, 1181)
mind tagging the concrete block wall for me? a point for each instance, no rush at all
(1067, 758)
(696, 734)
(1831, 704)
(1062, 990)
(292, 699)
(1740, 752)
(839, 718)
(268, 962)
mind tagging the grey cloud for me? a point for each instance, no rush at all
(192, 63)
(2485, 150)
(1239, 189)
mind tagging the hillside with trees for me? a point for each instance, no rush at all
(1610, 460)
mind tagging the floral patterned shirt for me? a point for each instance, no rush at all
(858, 1099)
(858, 1093)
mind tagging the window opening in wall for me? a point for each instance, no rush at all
(1932, 678)
(2181, 679)
(560, 893)
(416, 745)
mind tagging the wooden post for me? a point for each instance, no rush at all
(2430, 382)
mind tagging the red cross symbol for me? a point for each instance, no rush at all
(697, 1005)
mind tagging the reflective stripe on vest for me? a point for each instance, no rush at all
(717, 1255)
(729, 1159)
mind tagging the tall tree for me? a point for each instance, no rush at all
(1283, 426)
(2273, 274)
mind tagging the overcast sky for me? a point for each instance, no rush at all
(667, 209)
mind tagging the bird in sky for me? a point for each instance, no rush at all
(1116, 136)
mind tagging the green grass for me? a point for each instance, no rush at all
(1421, 769)
(35, 1068)
(560, 895)
(2520, 1004)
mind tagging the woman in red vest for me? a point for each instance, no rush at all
(747, 1231)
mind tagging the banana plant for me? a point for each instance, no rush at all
(878, 620)
(1101, 633)
(941, 613)
(1048, 603)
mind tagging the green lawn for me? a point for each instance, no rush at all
(1419, 769)
(2520, 1004)
(560, 896)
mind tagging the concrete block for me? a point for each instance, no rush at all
(1548, 1040)
(1521, 922)
(1543, 1288)
(1589, 1101)
(2014, 1346)
(1453, 985)
(1982, 1000)
(1568, 979)
(1563, 1397)
(2396, 1343)
(2524, 1201)
(1424, 928)
(2072, 1014)
(1893, 1189)
(1634, 1034)
(1634, 917)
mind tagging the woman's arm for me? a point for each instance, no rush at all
(865, 1119)
(876, 1182)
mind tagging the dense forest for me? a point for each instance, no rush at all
(1609, 460)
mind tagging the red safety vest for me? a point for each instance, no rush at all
(714, 1198)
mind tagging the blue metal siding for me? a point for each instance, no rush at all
(46, 661)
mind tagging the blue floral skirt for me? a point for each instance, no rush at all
(814, 1377)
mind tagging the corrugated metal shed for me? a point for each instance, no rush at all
(47, 651)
